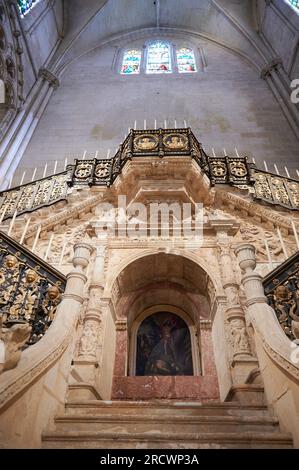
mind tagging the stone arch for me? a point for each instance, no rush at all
(148, 283)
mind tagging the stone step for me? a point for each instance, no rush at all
(139, 423)
(164, 407)
(162, 440)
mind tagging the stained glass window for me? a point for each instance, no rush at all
(26, 5)
(131, 62)
(158, 58)
(295, 3)
(185, 60)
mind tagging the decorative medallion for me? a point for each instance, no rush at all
(238, 169)
(102, 170)
(175, 142)
(146, 142)
(83, 170)
(218, 169)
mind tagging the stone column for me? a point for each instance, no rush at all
(242, 361)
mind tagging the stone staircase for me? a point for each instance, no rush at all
(164, 425)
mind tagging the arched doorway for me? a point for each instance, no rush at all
(163, 345)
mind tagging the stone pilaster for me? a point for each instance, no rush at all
(242, 361)
(89, 342)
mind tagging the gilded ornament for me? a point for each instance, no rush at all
(146, 142)
(175, 142)
(11, 261)
(238, 169)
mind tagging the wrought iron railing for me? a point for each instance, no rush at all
(232, 170)
(30, 289)
(32, 196)
(282, 290)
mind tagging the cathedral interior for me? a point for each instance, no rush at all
(149, 224)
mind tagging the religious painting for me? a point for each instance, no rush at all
(164, 346)
(146, 142)
(175, 142)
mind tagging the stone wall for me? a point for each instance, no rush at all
(226, 103)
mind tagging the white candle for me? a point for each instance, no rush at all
(12, 223)
(3, 214)
(185, 124)
(108, 153)
(36, 237)
(10, 182)
(295, 233)
(33, 174)
(213, 151)
(22, 179)
(282, 243)
(276, 169)
(265, 165)
(268, 254)
(84, 154)
(129, 130)
(253, 160)
(297, 171)
(49, 247)
(237, 153)
(224, 151)
(55, 167)
(135, 125)
(287, 172)
(65, 163)
(25, 230)
(155, 124)
(45, 170)
(62, 253)
(96, 155)
(175, 126)
(165, 124)
(144, 124)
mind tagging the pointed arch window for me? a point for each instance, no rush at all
(26, 5)
(159, 57)
(186, 60)
(131, 62)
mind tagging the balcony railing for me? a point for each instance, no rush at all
(282, 290)
(30, 289)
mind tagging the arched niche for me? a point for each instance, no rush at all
(162, 282)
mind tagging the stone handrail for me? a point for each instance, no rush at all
(38, 359)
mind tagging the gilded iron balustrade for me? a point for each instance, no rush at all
(276, 189)
(32, 196)
(30, 289)
(234, 171)
(282, 291)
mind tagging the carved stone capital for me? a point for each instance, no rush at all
(50, 77)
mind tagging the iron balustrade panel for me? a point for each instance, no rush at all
(282, 291)
(32, 196)
(30, 289)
